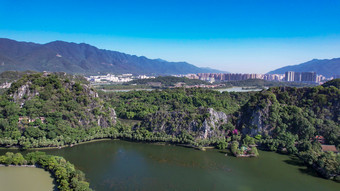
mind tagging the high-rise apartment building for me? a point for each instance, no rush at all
(308, 77)
(297, 77)
(289, 76)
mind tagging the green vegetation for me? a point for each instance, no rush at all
(247, 149)
(119, 87)
(296, 114)
(335, 83)
(326, 163)
(67, 177)
(177, 115)
(51, 110)
(139, 104)
(11, 76)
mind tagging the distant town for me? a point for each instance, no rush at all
(289, 76)
(116, 78)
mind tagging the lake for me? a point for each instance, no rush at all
(126, 90)
(239, 89)
(25, 178)
(122, 165)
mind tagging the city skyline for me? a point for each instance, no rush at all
(216, 34)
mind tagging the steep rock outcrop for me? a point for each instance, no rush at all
(23, 94)
(205, 123)
(210, 127)
(256, 122)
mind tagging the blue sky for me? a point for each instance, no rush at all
(248, 36)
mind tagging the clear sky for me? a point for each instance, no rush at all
(247, 36)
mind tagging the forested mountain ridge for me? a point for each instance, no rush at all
(60, 56)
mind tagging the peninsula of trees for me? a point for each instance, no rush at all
(67, 176)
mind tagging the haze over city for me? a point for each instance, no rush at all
(234, 36)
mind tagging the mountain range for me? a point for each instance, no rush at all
(325, 67)
(83, 58)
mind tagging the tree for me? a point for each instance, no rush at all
(222, 144)
(234, 147)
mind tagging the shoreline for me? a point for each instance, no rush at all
(13, 165)
(72, 145)
(55, 147)
(110, 139)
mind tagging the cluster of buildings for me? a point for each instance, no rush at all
(216, 77)
(289, 76)
(111, 78)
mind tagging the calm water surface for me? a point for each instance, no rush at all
(238, 89)
(25, 178)
(121, 165)
(126, 90)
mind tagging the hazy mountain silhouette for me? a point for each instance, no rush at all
(83, 58)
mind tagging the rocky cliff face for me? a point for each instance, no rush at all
(211, 125)
(256, 122)
(205, 123)
(23, 94)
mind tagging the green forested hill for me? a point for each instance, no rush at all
(305, 112)
(43, 109)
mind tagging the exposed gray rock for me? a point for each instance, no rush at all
(210, 126)
(173, 123)
(24, 91)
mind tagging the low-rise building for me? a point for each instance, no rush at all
(329, 148)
